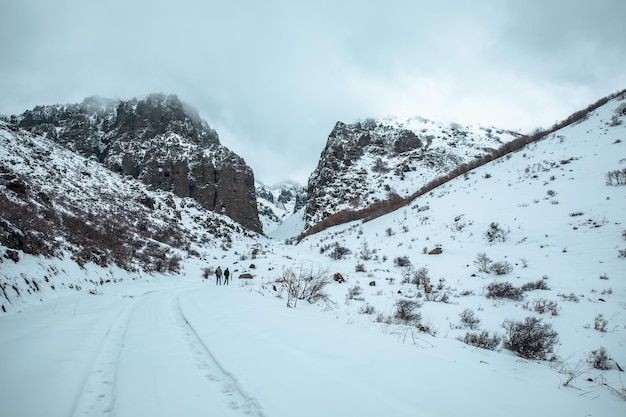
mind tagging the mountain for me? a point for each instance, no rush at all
(368, 162)
(55, 203)
(278, 202)
(159, 140)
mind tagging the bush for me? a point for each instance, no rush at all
(543, 305)
(402, 261)
(600, 323)
(483, 340)
(531, 339)
(339, 252)
(307, 285)
(469, 319)
(420, 276)
(501, 268)
(495, 233)
(367, 309)
(354, 293)
(537, 285)
(483, 263)
(600, 359)
(504, 290)
(405, 311)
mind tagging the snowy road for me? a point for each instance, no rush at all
(140, 356)
(181, 347)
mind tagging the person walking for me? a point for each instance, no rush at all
(226, 275)
(218, 276)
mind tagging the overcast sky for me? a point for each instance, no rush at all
(273, 77)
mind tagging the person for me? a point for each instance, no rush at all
(218, 276)
(226, 275)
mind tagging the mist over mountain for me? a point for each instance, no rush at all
(158, 140)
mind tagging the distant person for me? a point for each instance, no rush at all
(226, 275)
(218, 276)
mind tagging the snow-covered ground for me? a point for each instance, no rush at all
(162, 345)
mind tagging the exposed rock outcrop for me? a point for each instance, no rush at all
(159, 140)
(373, 161)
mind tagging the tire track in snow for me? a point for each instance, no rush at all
(234, 395)
(97, 397)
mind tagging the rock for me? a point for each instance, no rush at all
(245, 276)
(436, 251)
(372, 283)
(338, 278)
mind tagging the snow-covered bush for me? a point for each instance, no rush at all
(537, 285)
(543, 305)
(483, 262)
(339, 252)
(307, 284)
(354, 293)
(495, 233)
(367, 309)
(469, 319)
(501, 268)
(599, 359)
(402, 261)
(504, 290)
(483, 339)
(600, 323)
(531, 338)
(405, 311)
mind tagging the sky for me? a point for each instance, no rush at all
(274, 77)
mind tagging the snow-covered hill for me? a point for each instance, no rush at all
(369, 161)
(55, 203)
(157, 139)
(532, 242)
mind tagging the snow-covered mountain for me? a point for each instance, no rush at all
(421, 311)
(375, 160)
(157, 139)
(55, 202)
(278, 202)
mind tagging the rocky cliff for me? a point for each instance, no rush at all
(376, 160)
(159, 140)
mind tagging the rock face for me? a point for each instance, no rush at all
(370, 161)
(159, 140)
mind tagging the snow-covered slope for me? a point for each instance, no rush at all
(278, 202)
(55, 203)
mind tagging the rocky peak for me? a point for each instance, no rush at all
(159, 140)
(372, 160)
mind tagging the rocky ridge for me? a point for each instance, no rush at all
(373, 160)
(158, 140)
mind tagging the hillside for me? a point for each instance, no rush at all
(370, 161)
(357, 319)
(55, 203)
(157, 139)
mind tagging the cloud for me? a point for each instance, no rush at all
(273, 77)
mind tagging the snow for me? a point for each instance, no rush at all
(162, 345)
